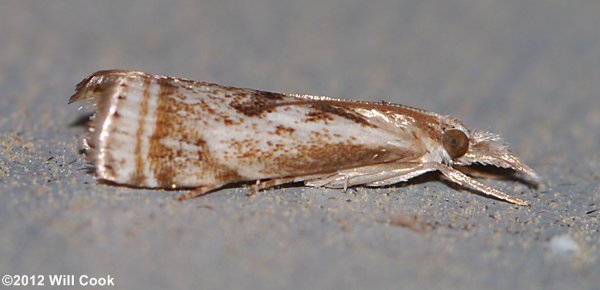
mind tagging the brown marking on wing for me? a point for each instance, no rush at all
(216, 115)
(280, 130)
(220, 172)
(253, 103)
(138, 177)
(269, 95)
(318, 116)
(251, 106)
(324, 110)
(324, 158)
(109, 160)
(224, 174)
(168, 161)
(161, 156)
(341, 112)
(313, 155)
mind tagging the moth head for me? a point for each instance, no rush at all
(484, 149)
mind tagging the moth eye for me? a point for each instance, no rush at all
(455, 142)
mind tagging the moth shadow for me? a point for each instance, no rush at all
(481, 172)
(477, 172)
(88, 169)
(428, 177)
(81, 121)
(496, 173)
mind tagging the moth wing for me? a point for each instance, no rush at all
(278, 135)
(155, 131)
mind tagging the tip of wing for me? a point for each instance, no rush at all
(97, 83)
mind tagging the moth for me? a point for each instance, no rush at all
(153, 131)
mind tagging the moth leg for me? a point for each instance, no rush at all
(260, 185)
(199, 191)
(399, 171)
(454, 176)
(390, 173)
(466, 181)
(345, 184)
(255, 188)
(402, 174)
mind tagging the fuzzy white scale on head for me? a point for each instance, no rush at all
(163, 132)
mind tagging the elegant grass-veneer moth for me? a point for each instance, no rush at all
(163, 132)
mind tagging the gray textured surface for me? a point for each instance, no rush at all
(527, 69)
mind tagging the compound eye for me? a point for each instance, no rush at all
(455, 142)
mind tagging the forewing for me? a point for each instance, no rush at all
(165, 132)
(278, 135)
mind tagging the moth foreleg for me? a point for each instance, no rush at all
(260, 185)
(406, 173)
(264, 184)
(403, 174)
(199, 191)
(372, 174)
(466, 181)
(394, 172)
